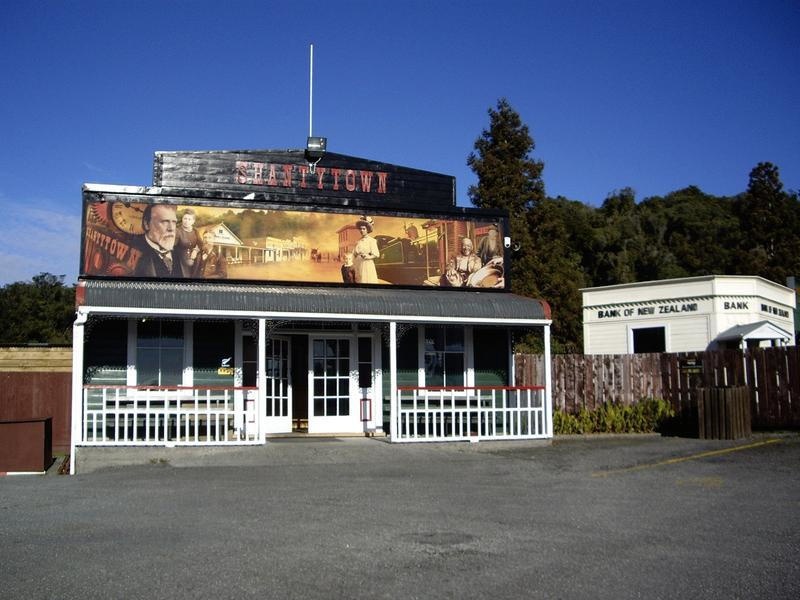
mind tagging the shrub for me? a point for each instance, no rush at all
(646, 416)
(586, 421)
(565, 423)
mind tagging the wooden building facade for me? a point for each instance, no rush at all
(189, 331)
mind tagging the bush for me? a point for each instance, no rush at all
(646, 416)
(565, 423)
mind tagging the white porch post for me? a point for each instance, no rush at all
(548, 387)
(394, 434)
(76, 425)
(239, 421)
(261, 402)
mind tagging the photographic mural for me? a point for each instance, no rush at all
(124, 237)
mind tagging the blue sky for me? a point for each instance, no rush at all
(651, 95)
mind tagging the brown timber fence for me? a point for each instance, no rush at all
(36, 383)
(772, 376)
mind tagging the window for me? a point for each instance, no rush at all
(249, 360)
(648, 339)
(105, 357)
(444, 356)
(213, 343)
(159, 352)
(490, 356)
(364, 362)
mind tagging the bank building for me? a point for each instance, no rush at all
(690, 314)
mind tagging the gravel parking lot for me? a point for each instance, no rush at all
(583, 517)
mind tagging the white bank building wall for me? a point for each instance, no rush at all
(687, 314)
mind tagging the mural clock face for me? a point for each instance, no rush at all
(128, 217)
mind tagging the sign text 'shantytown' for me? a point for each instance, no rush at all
(300, 176)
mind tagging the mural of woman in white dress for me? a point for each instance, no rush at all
(365, 253)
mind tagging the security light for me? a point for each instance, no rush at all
(315, 148)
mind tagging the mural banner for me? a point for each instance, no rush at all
(130, 236)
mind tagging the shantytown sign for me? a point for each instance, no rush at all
(299, 176)
(286, 176)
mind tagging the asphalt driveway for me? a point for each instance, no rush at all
(595, 517)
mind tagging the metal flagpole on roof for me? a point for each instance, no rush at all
(310, 91)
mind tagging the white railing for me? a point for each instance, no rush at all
(131, 415)
(471, 413)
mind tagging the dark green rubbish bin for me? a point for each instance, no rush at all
(723, 413)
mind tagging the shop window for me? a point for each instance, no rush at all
(407, 358)
(213, 343)
(364, 362)
(105, 356)
(159, 352)
(407, 367)
(490, 356)
(649, 339)
(444, 356)
(249, 360)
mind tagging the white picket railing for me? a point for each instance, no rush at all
(471, 413)
(130, 415)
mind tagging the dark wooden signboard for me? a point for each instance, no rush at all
(287, 176)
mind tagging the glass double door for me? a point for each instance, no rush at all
(339, 373)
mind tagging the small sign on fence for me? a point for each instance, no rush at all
(691, 366)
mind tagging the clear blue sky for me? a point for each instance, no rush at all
(647, 94)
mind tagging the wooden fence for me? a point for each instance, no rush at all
(587, 381)
(35, 383)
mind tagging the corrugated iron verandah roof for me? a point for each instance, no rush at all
(346, 303)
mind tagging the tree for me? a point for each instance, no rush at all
(39, 311)
(543, 265)
(687, 233)
(769, 217)
(510, 179)
(621, 239)
(559, 274)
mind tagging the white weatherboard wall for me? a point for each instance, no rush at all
(693, 311)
